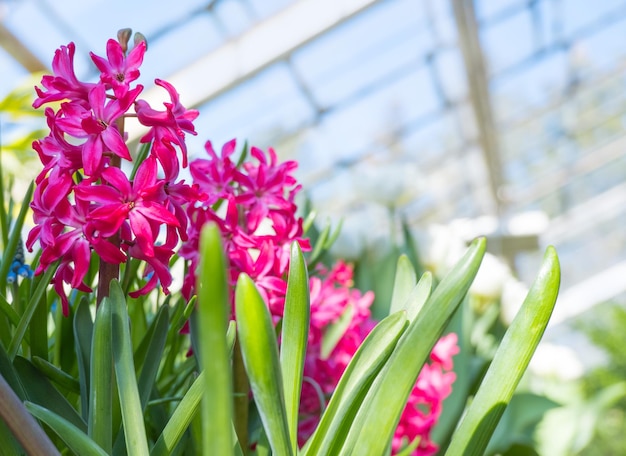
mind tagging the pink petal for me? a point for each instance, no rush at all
(92, 155)
(115, 143)
(146, 174)
(156, 212)
(115, 54)
(117, 179)
(143, 232)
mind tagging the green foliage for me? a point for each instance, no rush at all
(117, 378)
(604, 386)
(509, 363)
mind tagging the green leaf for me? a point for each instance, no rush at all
(308, 221)
(243, 155)
(404, 283)
(149, 359)
(144, 150)
(29, 312)
(76, 440)
(377, 419)
(100, 426)
(335, 331)
(57, 375)
(518, 421)
(132, 414)
(319, 246)
(41, 391)
(410, 448)
(354, 384)
(9, 312)
(295, 333)
(260, 355)
(510, 362)
(410, 245)
(180, 419)
(83, 333)
(7, 371)
(213, 311)
(19, 102)
(38, 327)
(418, 296)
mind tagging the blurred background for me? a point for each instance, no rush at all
(448, 118)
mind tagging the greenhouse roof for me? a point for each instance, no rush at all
(503, 108)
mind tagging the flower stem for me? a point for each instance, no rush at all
(109, 271)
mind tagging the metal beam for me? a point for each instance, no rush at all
(19, 52)
(469, 43)
(266, 43)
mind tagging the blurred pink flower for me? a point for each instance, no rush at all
(261, 253)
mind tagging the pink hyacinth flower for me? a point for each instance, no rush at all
(118, 70)
(63, 85)
(142, 203)
(97, 124)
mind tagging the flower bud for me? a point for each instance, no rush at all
(139, 37)
(123, 35)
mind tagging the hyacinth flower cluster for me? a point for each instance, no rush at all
(83, 201)
(253, 206)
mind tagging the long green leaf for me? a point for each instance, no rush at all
(418, 296)
(132, 414)
(403, 284)
(376, 421)
(260, 355)
(9, 311)
(510, 361)
(180, 419)
(152, 356)
(7, 370)
(41, 391)
(295, 333)
(83, 333)
(213, 311)
(147, 361)
(28, 313)
(76, 440)
(100, 427)
(56, 375)
(335, 331)
(354, 384)
(38, 327)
